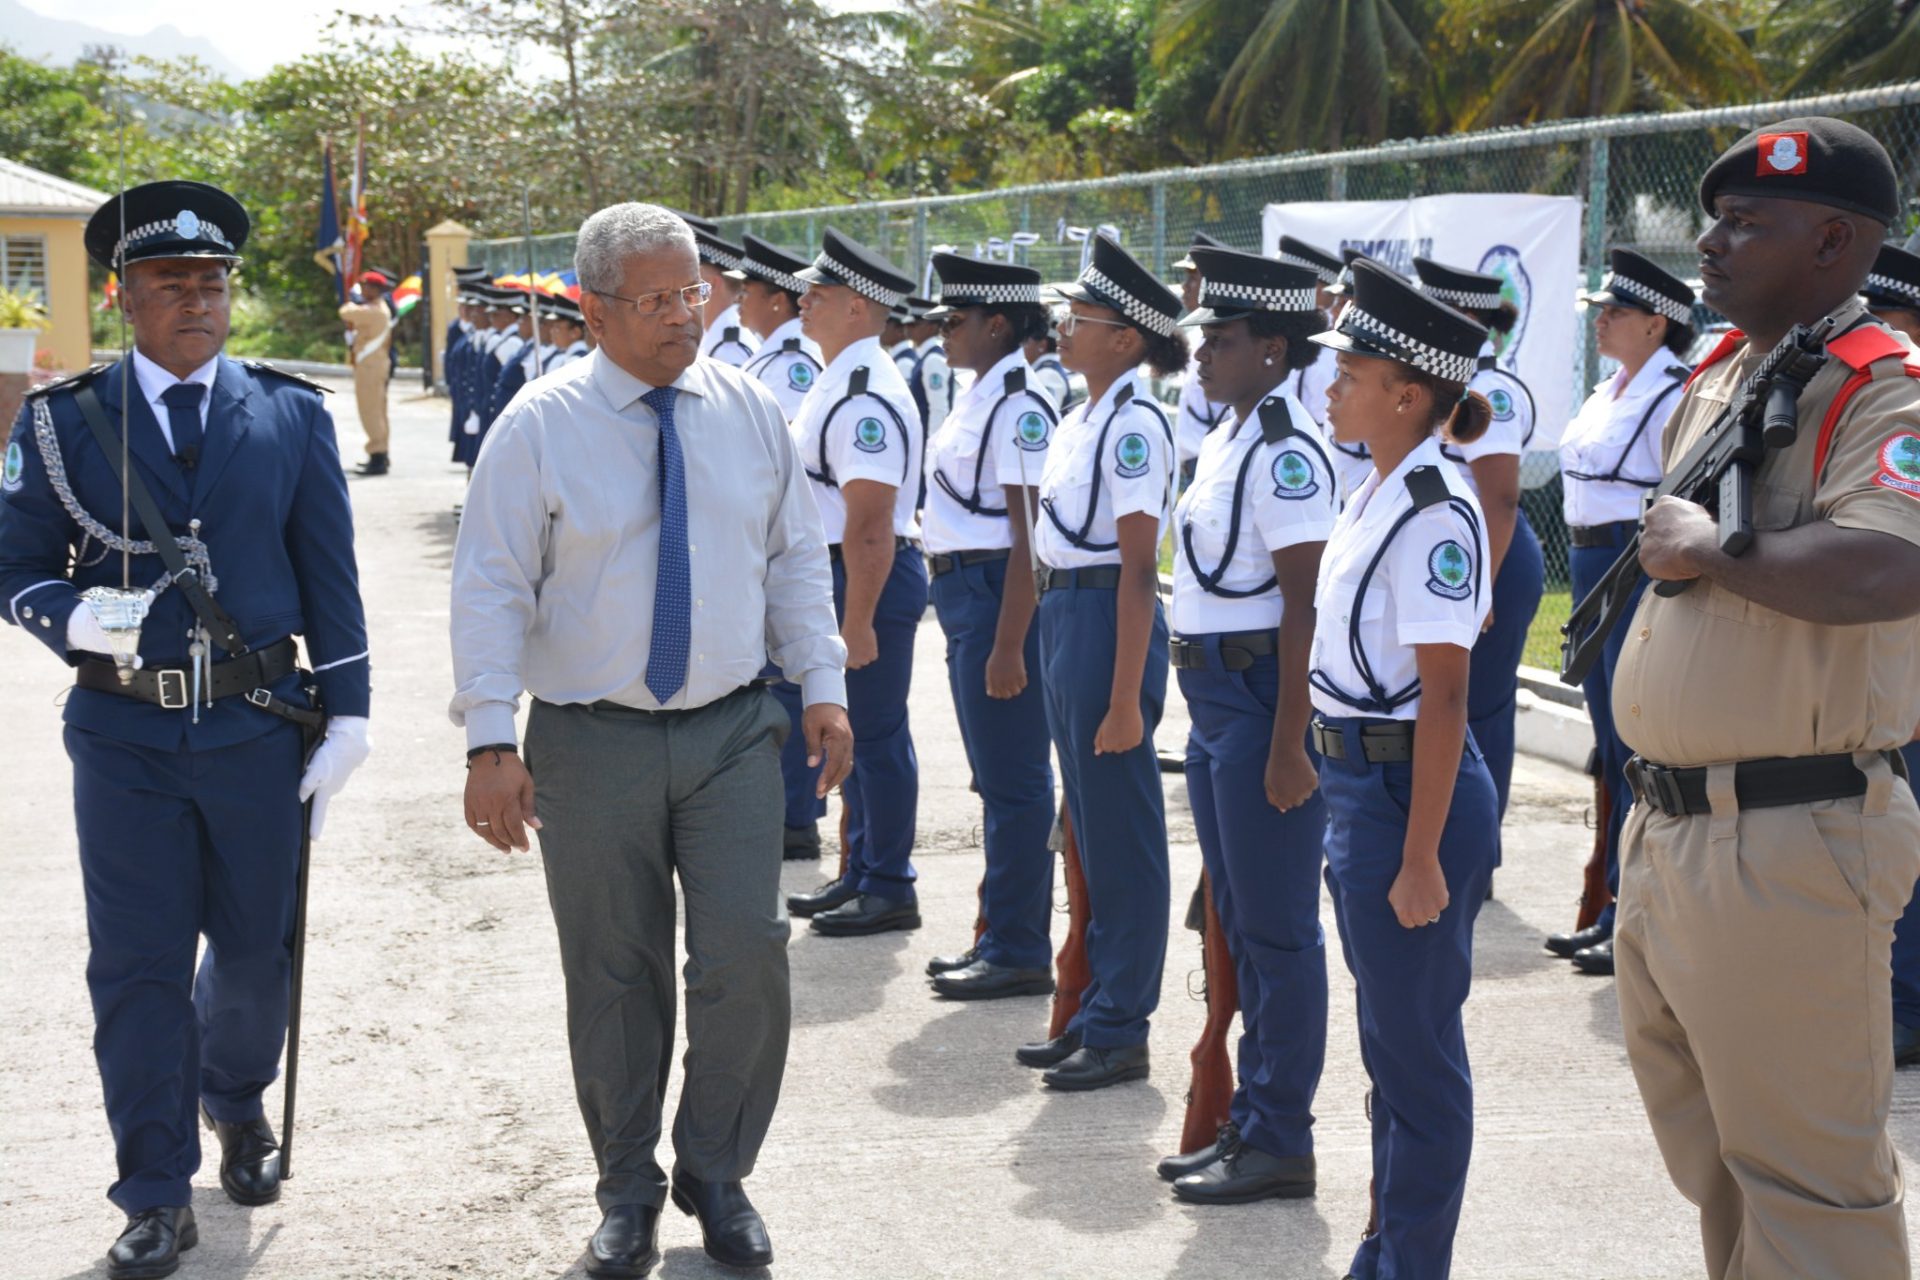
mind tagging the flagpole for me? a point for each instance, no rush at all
(533, 308)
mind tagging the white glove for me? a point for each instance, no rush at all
(86, 635)
(343, 750)
(472, 425)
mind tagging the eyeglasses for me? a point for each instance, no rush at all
(952, 320)
(652, 304)
(1071, 321)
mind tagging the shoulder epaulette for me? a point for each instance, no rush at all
(71, 380)
(790, 344)
(857, 384)
(1427, 487)
(1016, 381)
(1123, 395)
(1276, 422)
(1679, 372)
(261, 366)
(1860, 347)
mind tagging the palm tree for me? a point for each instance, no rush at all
(1310, 73)
(1842, 43)
(1601, 57)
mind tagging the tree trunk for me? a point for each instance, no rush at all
(1603, 12)
(569, 42)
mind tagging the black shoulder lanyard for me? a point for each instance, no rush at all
(1276, 424)
(856, 388)
(1428, 488)
(1121, 400)
(1016, 384)
(1678, 375)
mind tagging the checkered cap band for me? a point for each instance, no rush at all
(1899, 288)
(773, 275)
(1260, 297)
(1465, 299)
(869, 289)
(1327, 274)
(1406, 347)
(1147, 317)
(203, 230)
(991, 294)
(720, 257)
(1627, 286)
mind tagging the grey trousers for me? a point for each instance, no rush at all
(626, 800)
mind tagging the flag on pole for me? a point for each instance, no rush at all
(358, 230)
(405, 296)
(328, 245)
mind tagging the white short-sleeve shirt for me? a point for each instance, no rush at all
(1617, 433)
(788, 363)
(1511, 428)
(1429, 587)
(1283, 492)
(1109, 458)
(936, 382)
(727, 338)
(872, 436)
(995, 436)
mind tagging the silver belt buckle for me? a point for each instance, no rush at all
(173, 690)
(259, 698)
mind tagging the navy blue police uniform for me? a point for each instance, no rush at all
(188, 819)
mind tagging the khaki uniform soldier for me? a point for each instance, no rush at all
(1772, 845)
(370, 323)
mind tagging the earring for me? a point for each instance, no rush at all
(1269, 361)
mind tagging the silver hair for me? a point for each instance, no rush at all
(618, 232)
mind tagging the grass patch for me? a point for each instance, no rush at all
(1543, 637)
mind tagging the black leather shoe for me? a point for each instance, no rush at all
(867, 913)
(1174, 1168)
(825, 898)
(1597, 959)
(152, 1243)
(626, 1245)
(947, 964)
(1048, 1053)
(984, 980)
(801, 844)
(249, 1160)
(730, 1226)
(1092, 1068)
(375, 465)
(1565, 944)
(1246, 1174)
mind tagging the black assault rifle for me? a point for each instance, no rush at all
(1717, 473)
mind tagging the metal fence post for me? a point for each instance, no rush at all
(1594, 245)
(1336, 182)
(813, 235)
(919, 237)
(1159, 228)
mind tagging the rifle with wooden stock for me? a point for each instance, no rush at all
(1070, 972)
(1594, 893)
(1210, 1094)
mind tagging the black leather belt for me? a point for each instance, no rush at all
(1386, 742)
(900, 543)
(171, 686)
(1238, 649)
(939, 562)
(1100, 576)
(1616, 534)
(1757, 784)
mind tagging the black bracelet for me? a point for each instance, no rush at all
(496, 748)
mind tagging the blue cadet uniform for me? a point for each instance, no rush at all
(1406, 566)
(1494, 691)
(558, 306)
(1258, 487)
(460, 338)
(510, 358)
(1197, 416)
(789, 364)
(1110, 458)
(496, 350)
(1609, 460)
(1352, 460)
(857, 424)
(995, 438)
(186, 772)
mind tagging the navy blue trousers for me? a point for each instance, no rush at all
(1906, 934)
(882, 794)
(1264, 867)
(1586, 566)
(1119, 812)
(175, 846)
(1011, 757)
(1493, 683)
(797, 778)
(1410, 985)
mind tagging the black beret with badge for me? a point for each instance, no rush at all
(1115, 279)
(1391, 319)
(1201, 240)
(1636, 281)
(172, 219)
(969, 282)
(845, 261)
(1234, 285)
(1894, 281)
(1812, 158)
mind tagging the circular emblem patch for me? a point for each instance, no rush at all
(1502, 403)
(186, 224)
(1450, 571)
(1293, 476)
(869, 436)
(935, 381)
(1900, 464)
(799, 376)
(16, 467)
(1130, 455)
(1031, 431)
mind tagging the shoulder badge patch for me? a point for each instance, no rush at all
(1130, 455)
(1450, 571)
(1031, 431)
(934, 380)
(1293, 476)
(16, 469)
(799, 376)
(1502, 402)
(1899, 464)
(869, 436)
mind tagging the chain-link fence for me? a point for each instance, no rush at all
(1637, 177)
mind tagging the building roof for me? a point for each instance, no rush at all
(27, 192)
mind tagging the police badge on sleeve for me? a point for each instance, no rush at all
(1450, 571)
(1900, 464)
(1293, 476)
